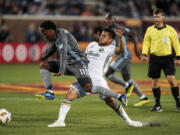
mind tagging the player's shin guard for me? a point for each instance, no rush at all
(46, 77)
(175, 93)
(105, 92)
(64, 109)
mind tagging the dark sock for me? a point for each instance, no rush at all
(175, 93)
(157, 95)
(144, 98)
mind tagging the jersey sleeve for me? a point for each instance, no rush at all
(49, 51)
(175, 42)
(146, 42)
(88, 47)
(63, 54)
(112, 50)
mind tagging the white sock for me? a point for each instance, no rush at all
(50, 91)
(123, 114)
(64, 109)
(126, 84)
(143, 96)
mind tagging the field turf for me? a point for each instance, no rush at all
(88, 116)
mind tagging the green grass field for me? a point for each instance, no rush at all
(88, 116)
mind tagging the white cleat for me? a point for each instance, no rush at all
(133, 123)
(57, 124)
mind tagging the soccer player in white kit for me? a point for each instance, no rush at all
(99, 55)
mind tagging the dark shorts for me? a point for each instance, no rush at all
(78, 69)
(158, 63)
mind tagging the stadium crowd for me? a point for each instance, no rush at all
(127, 8)
(81, 30)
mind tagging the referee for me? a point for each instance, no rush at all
(160, 41)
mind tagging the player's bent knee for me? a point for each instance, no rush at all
(108, 100)
(43, 65)
(126, 77)
(109, 72)
(72, 94)
(155, 83)
(85, 83)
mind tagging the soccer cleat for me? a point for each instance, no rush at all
(142, 102)
(129, 90)
(133, 123)
(157, 108)
(123, 99)
(57, 124)
(46, 95)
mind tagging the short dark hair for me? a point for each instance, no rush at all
(48, 25)
(110, 31)
(97, 29)
(109, 15)
(158, 11)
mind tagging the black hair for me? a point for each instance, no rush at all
(158, 11)
(48, 25)
(97, 29)
(110, 31)
(109, 15)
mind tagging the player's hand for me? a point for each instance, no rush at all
(177, 62)
(119, 32)
(144, 58)
(138, 54)
(58, 74)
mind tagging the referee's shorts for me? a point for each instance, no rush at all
(156, 63)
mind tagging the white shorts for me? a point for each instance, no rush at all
(96, 82)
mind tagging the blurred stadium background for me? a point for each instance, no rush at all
(19, 21)
(21, 45)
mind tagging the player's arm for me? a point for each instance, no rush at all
(134, 38)
(62, 48)
(119, 48)
(87, 48)
(176, 46)
(146, 46)
(49, 52)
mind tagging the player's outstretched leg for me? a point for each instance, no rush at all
(121, 112)
(106, 92)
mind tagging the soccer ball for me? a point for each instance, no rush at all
(5, 116)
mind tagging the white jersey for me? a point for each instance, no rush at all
(99, 58)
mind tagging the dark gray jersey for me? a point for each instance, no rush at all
(68, 49)
(126, 33)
